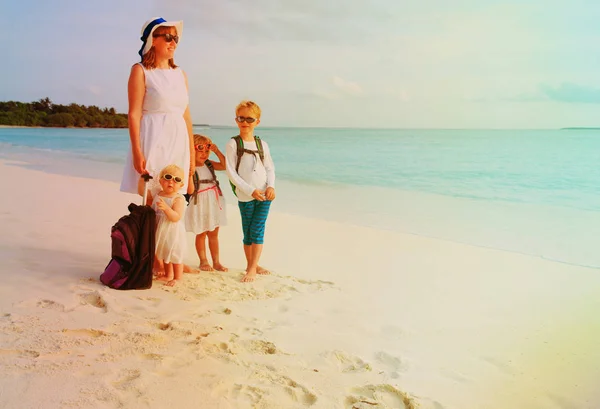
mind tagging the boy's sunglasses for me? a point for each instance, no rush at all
(202, 147)
(168, 37)
(241, 119)
(177, 179)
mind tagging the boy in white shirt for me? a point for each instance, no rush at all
(251, 172)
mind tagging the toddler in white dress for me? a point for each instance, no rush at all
(170, 228)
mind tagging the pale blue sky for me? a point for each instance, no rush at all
(377, 63)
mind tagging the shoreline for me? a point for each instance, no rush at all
(405, 321)
(54, 127)
(539, 230)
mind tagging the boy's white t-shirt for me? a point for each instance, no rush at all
(252, 173)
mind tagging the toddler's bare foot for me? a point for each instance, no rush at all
(220, 267)
(190, 269)
(261, 270)
(171, 283)
(248, 277)
(165, 278)
(205, 266)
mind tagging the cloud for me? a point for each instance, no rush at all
(572, 93)
(94, 89)
(335, 21)
(347, 87)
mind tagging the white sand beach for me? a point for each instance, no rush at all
(351, 317)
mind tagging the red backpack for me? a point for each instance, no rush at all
(133, 246)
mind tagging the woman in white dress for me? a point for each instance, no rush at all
(160, 125)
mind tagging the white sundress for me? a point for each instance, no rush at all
(171, 239)
(206, 210)
(164, 136)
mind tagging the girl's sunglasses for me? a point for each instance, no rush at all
(177, 179)
(241, 119)
(168, 37)
(202, 147)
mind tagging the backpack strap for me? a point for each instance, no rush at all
(196, 181)
(239, 143)
(261, 153)
(241, 150)
(214, 179)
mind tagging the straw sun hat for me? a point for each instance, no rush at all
(151, 25)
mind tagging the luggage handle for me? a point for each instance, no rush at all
(146, 178)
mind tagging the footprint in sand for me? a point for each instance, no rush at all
(247, 393)
(562, 402)
(395, 364)
(252, 331)
(89, 332)
(128, 380)
(298, 393)
(500, 365)
(94, 299)
(51, 305)
(381, 396)
(26, 353)
(348, 363)
(262, 347)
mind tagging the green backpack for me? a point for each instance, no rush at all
(240, 152)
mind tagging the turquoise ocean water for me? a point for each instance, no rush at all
(535, 192)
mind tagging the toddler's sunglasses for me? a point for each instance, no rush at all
(168, 37)
(202, 147)
(241, 119)
(177, 179)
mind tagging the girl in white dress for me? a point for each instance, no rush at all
(206, 211)
(169, 205)
(160, 125)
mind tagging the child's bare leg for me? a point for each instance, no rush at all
(253, 253)
(262, 270)
(201, 250)
(168, 273)
(159, 267)
(190, 270)
(249, 276)
(213, 245)
(177, 274)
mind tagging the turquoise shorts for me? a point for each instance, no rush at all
(254, 217)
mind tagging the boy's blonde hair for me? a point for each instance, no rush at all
(198, 139)
(252, 106)
(173, 170)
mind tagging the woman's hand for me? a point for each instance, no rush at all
(139, 163)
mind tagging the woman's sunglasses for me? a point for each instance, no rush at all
(202, 147)
(168, 37)
(241, 119)
(177, 179)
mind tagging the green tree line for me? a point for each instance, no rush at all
(45, 113)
